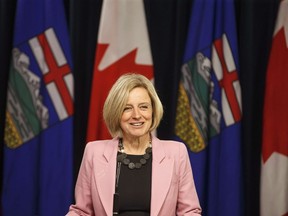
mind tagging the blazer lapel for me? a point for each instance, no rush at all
(105, 175)
(162, 169)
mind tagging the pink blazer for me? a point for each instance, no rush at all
(173, 189)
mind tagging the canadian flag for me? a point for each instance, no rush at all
(274, 171)
(123, 47)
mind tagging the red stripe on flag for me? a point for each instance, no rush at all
(56, 74)
(275, 120)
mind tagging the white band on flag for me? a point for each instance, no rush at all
(57, 101)
(55, 47)
(39, 55)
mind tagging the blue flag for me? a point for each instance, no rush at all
(208, 117)
(38, 172)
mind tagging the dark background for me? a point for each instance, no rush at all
(167, 22)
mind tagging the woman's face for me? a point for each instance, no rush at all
(136, 119)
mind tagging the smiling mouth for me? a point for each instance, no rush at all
(137, 124)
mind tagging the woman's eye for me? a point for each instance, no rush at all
(127, 109)
(144, 107)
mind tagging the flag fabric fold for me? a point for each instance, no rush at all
(38, 172)
(122, 47)
(274, 169)
(209, 109)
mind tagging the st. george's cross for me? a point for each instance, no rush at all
(56, 72)
(227, 76)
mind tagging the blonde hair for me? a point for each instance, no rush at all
(118, 97)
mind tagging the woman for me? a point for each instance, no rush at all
(135, 173)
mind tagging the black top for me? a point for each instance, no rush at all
(135, 188)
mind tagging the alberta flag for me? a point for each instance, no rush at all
(122, 47)
(38, 178)
(209, 111)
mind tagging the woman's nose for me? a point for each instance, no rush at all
(136, 113)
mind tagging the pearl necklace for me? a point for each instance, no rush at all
(126, 161)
